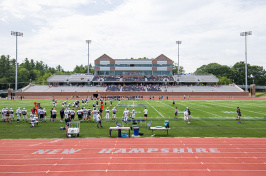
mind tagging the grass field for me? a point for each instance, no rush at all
(205, 115)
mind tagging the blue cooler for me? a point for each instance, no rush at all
(166, 123)
(136, 131)
(124, 135)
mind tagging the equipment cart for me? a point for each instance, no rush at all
(72, 129)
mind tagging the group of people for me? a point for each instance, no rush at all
(8, 115)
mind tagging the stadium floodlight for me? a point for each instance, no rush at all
(246, 67)
(88, 41)
(178, 43)
(16, 77)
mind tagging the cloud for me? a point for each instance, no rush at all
(55, 31)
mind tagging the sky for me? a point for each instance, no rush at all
(55, 31)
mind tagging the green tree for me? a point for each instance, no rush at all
(215, 69)
(224, 80)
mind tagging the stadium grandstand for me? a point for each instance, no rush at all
(133, 77)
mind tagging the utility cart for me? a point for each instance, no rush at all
(72, 129)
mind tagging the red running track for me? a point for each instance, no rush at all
(145, 156)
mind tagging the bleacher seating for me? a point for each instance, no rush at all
(201, 89)
(38, 88)
(113, 88)
(133, 88)
(154, 88)
(190, 78)
(134, 79)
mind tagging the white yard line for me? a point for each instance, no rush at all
(154, 108)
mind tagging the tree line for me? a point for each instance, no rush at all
(30, 71)
(235, 74)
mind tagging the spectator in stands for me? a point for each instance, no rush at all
(145, 113)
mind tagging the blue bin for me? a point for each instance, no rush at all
(136, 131)
(124, 135)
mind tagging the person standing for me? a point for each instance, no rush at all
(41, 114)
(66, 112)
(72, 114)
(173, 102)
(94, 113)
(125, 114)
(8, 118)
(44, 112)
(238, 115)
(24, 115)
(114, 114)
(107, 111)
(89, 115)
(54, 115)
(79, 113)
(145, 113)
(133, 114)
(176, 113)
(18, 112)
(84, 114)
(101, 105)
(101, 112)
(62, 114)
(99, 122)
(186, 116)
(189, 115)
(11, 114)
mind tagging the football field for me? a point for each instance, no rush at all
(209, 118)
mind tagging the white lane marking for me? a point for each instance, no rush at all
(35, 144)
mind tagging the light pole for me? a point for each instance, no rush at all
(178, 43)
(16, 34)
(88, 41)
(246, 67)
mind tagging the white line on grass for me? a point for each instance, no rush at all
(154, 108)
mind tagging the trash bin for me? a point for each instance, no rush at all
(136, 131)
(119, 133)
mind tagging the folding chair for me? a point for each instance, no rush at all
(149, 124)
